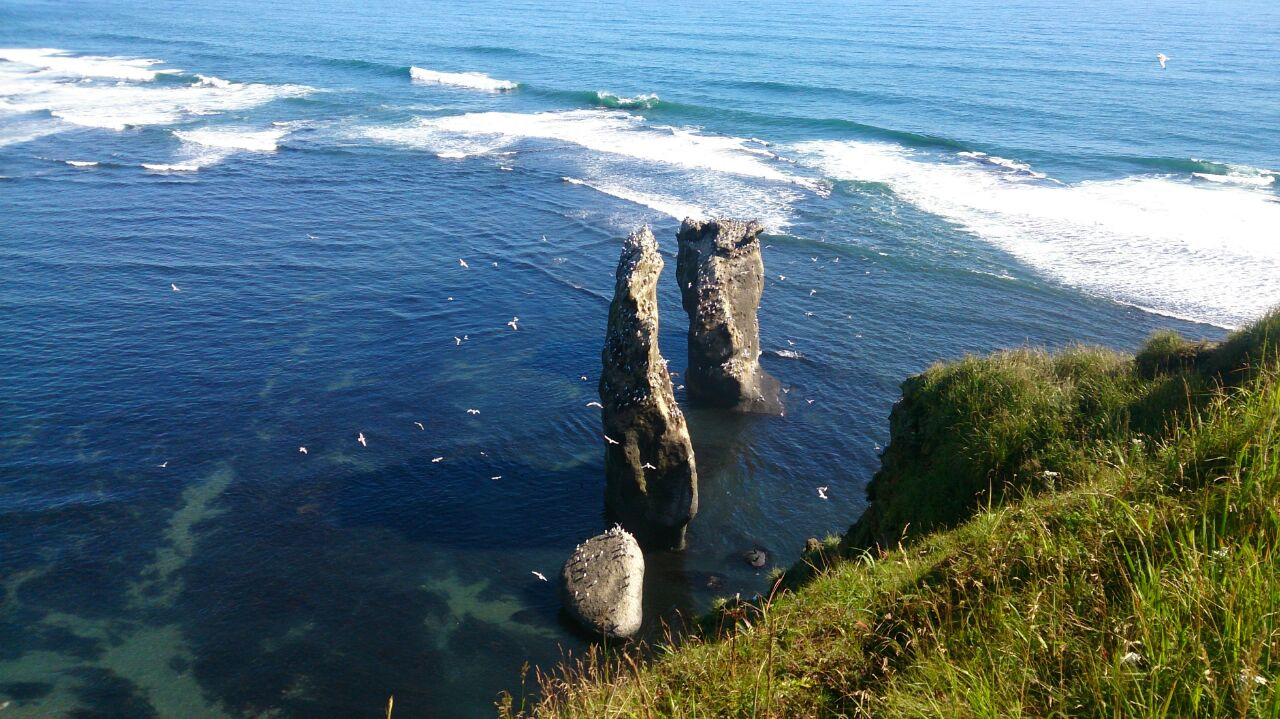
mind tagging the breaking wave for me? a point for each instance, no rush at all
(116, 93)
(1164, 243)
(468, 80)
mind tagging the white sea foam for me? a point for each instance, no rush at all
(1198, 251)
(671, 206)
(171, 167)
(468, 80)
(210, 81)
(75, 91)
(621, 155)
(232, 138)
(209, 146)
(61, 62)
(15, 130)
(81, 163)
(995, 161)
(1246, 180)
(606, 131)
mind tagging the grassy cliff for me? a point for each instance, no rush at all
(1073, 534)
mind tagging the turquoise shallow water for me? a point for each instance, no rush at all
(938, 178)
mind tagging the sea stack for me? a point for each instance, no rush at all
(602, 584)
(651, 482)
(721, 276)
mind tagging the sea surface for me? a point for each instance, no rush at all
(230, 230)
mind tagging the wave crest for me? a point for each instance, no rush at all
(647, 101)
(468, 80)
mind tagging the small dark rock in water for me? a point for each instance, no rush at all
(651, 481)
(602, 584)
(721, 276)
(756, 557)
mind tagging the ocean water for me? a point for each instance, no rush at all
(937, 178)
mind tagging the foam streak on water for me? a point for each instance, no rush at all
(1160, 242)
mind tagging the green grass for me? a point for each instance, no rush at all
(1079, 534)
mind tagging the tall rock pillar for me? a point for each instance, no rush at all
(651, 481)
(721, 276)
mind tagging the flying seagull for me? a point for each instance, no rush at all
(360, 438)
(174, 287)
(437, 459)
(595, 404)
(822, 492)
(163, 464)
(463, 262)
(611, 440)
(1162, 58)
(473, 411)
(512, 323)
(539, 575)
(420, 425)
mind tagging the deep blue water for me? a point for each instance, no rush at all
(938, 178)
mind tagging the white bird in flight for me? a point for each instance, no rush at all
(646, 465)
(360, 438)
(595, 404)
(463, 262)
(303, 450)
(512, 323)
(437, 460)
(473, 411)
(420, 425)
(539, 575)
(174, 287)
(611, 440)
(1162, 58)
(163, 464)
(822, 492)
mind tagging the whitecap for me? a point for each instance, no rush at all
(210, 81)
(171, 167)
(232, 138)
(1246, 180)
(1197, 251)
(468, 80)
(63, 63)
(81, 163)
(622, 155)
(606, 131)
(646, 101)
(117, 93)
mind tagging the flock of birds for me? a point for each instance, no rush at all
(363, 441)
